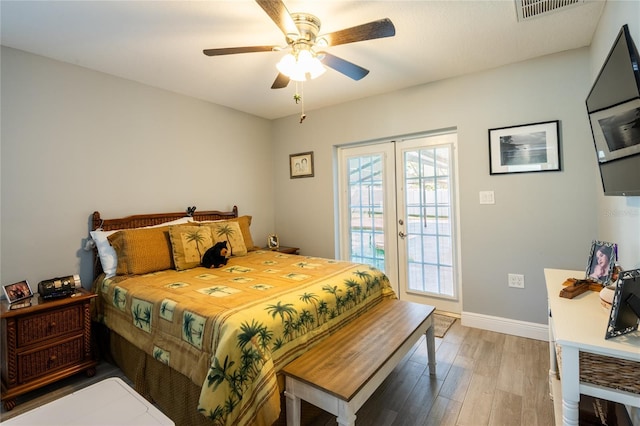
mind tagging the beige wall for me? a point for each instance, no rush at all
(75, 141)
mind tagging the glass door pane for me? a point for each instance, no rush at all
(366, 210)
(429, 249)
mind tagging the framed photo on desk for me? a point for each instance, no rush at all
(625, 311)
(602, 259)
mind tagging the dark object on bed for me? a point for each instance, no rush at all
(215, 256)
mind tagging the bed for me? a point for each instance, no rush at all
(207, 345)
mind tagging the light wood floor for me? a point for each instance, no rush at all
(483, 378)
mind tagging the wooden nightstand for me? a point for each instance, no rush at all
(45, 342)
(285, 249)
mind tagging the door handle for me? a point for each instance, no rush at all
(402, 234)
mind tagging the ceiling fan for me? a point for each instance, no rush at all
(301, 33)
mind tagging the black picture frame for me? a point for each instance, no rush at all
(625, 310)
(525, 148)
(301, 165)
(597, 272)
(17, 291)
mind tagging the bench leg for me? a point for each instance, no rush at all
(346, 416)
(293, 409)
(431, 350)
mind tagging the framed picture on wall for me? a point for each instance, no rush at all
(602, 259)
(524, 148)
(301, 165)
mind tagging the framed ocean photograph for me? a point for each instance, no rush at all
(525, 148)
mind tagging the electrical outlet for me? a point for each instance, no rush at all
(516, 280)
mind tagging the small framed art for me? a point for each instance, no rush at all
(525, 148)
(602, 259)
(301, 165)
(272, 242)
(17, 291)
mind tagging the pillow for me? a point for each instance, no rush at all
(228, 230)
(106, 253)
(188, 244)
(142, 250)
(245, 229)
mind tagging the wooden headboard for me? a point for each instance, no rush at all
(140, 220)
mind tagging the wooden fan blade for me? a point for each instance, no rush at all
(234, 50)
(279, 14)
(280, 82)
(377, 29)
(347, 68)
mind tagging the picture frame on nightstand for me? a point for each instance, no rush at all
(17, 291)
(273, 242)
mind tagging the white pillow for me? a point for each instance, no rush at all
(108, 257)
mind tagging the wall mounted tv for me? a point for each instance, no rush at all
(613, 105)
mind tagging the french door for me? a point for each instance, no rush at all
(398, 213)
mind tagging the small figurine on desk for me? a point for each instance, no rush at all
(577, 288)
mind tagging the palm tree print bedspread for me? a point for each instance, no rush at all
(230, 330)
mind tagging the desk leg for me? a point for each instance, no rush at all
(293, 407)
(553, 361)
(570, 385)
(431, 349)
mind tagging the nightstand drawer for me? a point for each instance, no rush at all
(33, 364)
(36, 328)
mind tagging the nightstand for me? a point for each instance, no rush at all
(285, 249)
(45, 342)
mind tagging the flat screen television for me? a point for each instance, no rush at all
(613, 105)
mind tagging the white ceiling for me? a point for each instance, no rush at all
(160, 43)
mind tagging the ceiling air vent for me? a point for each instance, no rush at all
(529, 9)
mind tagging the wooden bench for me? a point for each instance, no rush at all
(341, 372)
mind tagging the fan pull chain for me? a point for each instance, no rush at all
(302, 114)
(299, 98)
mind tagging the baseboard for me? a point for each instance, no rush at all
(505, 325)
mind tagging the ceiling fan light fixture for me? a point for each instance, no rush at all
(298, 67)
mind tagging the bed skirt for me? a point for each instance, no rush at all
(173, 393)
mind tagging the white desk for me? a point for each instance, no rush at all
(109, 402)
(579, 325)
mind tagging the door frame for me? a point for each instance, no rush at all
(446, 303)
(388, 146)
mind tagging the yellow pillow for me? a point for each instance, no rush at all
(188, 243)
(245, 228)
(140, 251)
(229, 231)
